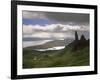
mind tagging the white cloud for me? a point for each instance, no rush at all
(27, 29)
(54, 31)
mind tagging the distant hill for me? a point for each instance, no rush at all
(51, 44)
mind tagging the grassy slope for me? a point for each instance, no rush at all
(61, 58)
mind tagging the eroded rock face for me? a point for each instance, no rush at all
(79, 44)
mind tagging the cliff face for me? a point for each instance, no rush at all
(79, 44)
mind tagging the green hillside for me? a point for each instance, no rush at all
(57, 58)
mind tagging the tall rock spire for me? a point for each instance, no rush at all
(76, 35)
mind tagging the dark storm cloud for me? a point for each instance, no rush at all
(61, 17)
(68, 17)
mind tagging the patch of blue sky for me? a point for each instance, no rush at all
(37, 21)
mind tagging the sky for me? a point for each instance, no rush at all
(42, 27)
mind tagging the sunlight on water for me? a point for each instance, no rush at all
(53, 48)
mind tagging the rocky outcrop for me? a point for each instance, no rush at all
(79, 43)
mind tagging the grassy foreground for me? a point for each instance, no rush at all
(59, 58)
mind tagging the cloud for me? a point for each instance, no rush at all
(73, 18)
(33, 15)
(53, 28)
(53, 31)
